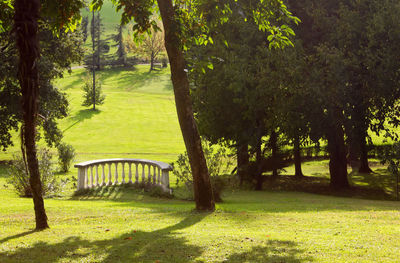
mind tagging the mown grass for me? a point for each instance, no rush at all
(137, 120)
(129, 226)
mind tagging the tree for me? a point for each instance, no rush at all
(152, 44)
(24, 16)
(120, 44)
(84, 27)
(92, 96)
(141, 11)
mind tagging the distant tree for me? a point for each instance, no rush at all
(84, 27)
(151, 45)
(120, 44)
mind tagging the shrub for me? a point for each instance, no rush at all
(19, 178)
(66, 154)
(218, 162)
(88, 92)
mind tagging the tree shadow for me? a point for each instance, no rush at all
(17, 236)
(273, 251)
(77, 82)
(81, 116)
(380, 179)
(163, 245)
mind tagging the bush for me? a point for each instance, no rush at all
(19, 178)
(218, 162)
(88, 92)
(66, 154)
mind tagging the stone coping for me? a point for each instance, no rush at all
(161, 165)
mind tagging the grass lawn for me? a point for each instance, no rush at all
(268, 226)
(137, 120)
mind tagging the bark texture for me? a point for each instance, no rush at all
(364, 165)
(337, 155)
(242, 161)
(297, 158)
(201, 180)
(274, 152)
(26, 28)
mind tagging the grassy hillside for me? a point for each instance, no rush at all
(138, 118)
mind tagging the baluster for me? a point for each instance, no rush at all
(123, 173)
(159, 176)
(130, 174)
(116, 174)
(97, 175)
(143, 175)
(109, 174)
(149, 175)
(86, 177)
(91, 177)
(137, 173)
(103, 176)
(154, 175)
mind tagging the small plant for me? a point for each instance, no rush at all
(19, 178)
(88, 92)
(391, 156)
(218, 162)
(66, 154)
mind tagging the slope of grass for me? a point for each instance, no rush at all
(138, 118)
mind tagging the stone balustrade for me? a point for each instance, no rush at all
(138, 171)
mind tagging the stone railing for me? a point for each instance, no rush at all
(139, 171)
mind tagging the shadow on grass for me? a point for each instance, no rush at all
(380, 179)
(81, 116)
(164, 245)
(131, 79)
(274, 251)
(17, 236)
(77, 82)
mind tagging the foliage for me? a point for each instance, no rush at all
(88, 92)
(19, 178)
(391, 157)
(66, 154)
(218, 163)
(150, 46)
(120, 44)
(57, 56)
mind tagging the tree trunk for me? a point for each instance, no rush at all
(274, 153)
(337, 155)
(354, 152)
(364, 166)
(258, 170)
(242, 161)
(297, 158)
(203, 194)
(26, 28)
(152, 61)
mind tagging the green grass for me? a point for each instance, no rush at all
(138, 118)
(128, 226)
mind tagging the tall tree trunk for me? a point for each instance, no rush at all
(258, 170)
(274, 153)
(337, 155)
(93, 65)
(242, 160)
(26, 28)
(354, 151)
(297, 158)
(201, 179)
(364, 166)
